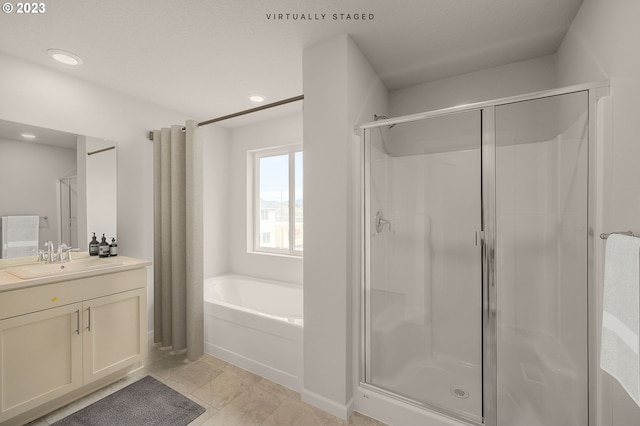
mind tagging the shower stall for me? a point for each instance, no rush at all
(477, 259)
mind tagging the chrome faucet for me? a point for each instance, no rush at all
(48, 255)
(48, 252)
(61, 249)
(64, 252)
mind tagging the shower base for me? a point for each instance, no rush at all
(440, 383)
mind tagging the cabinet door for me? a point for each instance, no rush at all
(40, 358)
(113, 333)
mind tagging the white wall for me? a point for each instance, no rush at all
(266, 134)
(225, 198)
(336, 97)
(37, 167)
(101, 181)
(508, 80)
(602, 44)
(215, 204)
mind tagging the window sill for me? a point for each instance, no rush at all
(267, 253)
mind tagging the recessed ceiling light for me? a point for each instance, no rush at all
(67, 58)
(28, 136)
(257, 98)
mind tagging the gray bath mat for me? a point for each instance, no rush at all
(145, 402)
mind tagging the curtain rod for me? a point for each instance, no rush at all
(101, 150)
(247, 111)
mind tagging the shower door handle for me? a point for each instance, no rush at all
(479, 238)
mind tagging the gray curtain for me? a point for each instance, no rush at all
(178, 270)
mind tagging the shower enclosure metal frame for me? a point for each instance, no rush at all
(595, 91)
(67, 200)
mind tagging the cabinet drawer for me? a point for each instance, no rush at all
(31, 299)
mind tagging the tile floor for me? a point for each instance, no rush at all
(231, 396)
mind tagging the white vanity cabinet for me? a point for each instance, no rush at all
(58, 339)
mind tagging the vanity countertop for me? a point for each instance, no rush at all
(9, 281)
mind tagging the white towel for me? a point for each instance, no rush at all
(20, 236)
(620, 346)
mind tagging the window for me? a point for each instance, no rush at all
(278, 201)
(265, 238)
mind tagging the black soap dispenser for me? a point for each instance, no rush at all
(103, 248)
(113, 247)
(93, 246)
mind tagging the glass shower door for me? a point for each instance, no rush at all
(541, 265)
(423, 286)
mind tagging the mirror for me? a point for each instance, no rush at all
(54, 186)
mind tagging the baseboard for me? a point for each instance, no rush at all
(342, 411)
(273, 374)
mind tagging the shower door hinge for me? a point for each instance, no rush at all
(479, 238)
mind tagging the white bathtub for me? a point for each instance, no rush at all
(255, 324)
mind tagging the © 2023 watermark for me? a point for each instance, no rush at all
(20, 8)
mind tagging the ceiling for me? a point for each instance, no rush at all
(14, 131)
(204, 58)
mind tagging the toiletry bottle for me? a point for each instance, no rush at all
(103, 248)
(113, 247)
(93, 246)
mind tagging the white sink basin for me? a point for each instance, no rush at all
(44, 270)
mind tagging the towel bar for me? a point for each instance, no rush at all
(629, 233)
